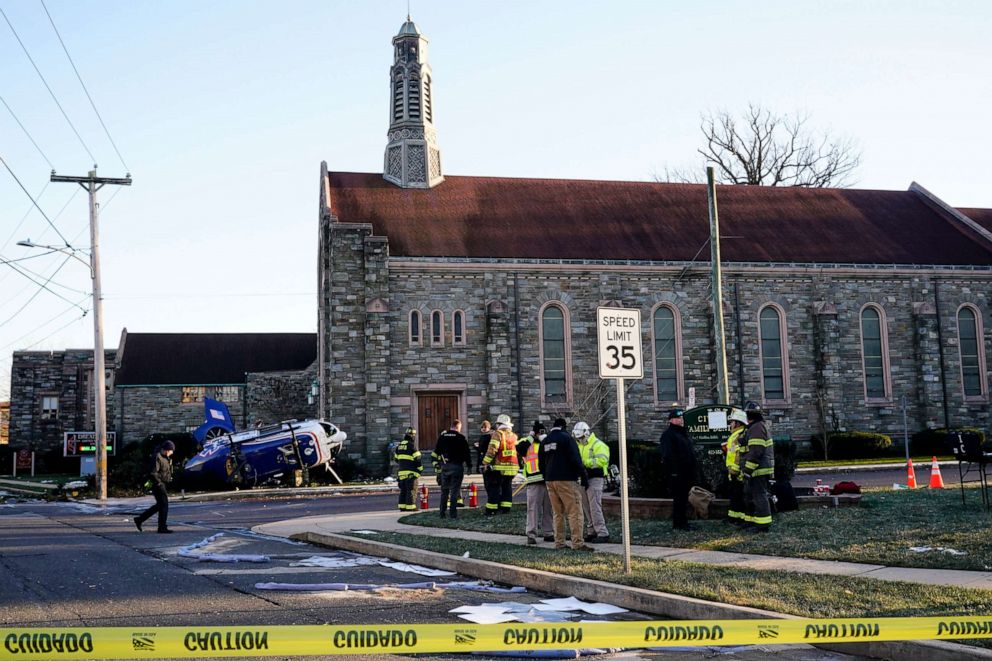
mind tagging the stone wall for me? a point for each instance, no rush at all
(144, 410)
(62, 374)
(498, 370)
(276, 396)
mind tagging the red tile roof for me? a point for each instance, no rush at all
(618, 220)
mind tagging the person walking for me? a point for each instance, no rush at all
(679, 462)
(596, 460)
(499, 466)
(160, 475)
(410, 467)
(540, 518)
(482, 443)
(559, 461)
(735, 481)
(452, 457)
(759, 466)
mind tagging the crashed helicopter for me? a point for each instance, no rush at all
(282, 452)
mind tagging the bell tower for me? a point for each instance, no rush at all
(413, 159)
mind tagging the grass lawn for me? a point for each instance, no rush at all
(805, 595)
(879, 531)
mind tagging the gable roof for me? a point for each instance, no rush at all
(209, 358)
(981, 216)
(489, 217)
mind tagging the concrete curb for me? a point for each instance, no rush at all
(639, 599)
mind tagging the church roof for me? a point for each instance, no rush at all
(981, 216)
(191, 359)
(617, 220)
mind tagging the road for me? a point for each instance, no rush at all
(68, 564)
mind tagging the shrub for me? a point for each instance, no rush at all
(853, 445)
(785, 459)
(936, 441)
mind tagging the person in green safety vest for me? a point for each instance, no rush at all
(596, 459)
(540, 518)
(758, 469)
(410, 467)
(735, 453)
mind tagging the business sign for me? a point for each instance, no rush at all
(619, 333)
(81, 443)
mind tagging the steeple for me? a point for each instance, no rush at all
(412, 159)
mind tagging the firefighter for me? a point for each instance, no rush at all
(759, 467)
(499, 466)
(735, 452)
(410, 468)
(596, 459)
(540, 518)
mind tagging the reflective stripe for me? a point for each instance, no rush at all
(763, 471)
(761, 442)
(761, 520)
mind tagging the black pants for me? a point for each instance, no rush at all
(680, 484)
(451, 486)
(736, 509)
(408, 491)
(161, 506)
(499, 491)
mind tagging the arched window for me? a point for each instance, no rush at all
(458, 327)
(970, 345)
(437, 328)
(874, 354)
(554, 354)
(774, 354)
(415, 327)
(667, 355)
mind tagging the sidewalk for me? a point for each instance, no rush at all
(388, 522)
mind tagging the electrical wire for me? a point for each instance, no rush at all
(32, 332)
(41, 287)
(33, 201)
(80, 78)
(11, 111)
(47, 86)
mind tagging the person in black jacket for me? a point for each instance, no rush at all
(679, 463)
(452, 457)
(561, 465)
(160, 475)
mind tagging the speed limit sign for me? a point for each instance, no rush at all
(619, 332)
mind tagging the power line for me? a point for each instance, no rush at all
(32, 199)
(80, 78)
(32, 332)
(41, 286)
(26, 132)
(47, 86)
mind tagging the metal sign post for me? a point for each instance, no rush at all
(619, 334)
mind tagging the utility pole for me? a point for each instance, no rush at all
(722, 385)
(92, 183)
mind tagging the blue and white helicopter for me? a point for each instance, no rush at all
(275, 453)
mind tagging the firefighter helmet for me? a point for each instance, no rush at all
(503, 419)
(737, 415)
(410, 431)
(752, 406)
(581, 430)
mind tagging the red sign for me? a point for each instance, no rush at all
(24, 459)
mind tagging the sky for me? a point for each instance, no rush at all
(222, 112)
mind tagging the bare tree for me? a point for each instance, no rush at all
(761, 148)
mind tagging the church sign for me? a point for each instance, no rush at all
(708, 426)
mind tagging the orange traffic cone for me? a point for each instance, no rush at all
(911, 479)
(936, 480)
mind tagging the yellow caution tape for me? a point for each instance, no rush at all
(312, 640)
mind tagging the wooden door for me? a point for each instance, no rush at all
(435, 413)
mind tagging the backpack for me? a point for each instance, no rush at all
(844, 487)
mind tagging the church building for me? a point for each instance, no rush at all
(445, 296)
